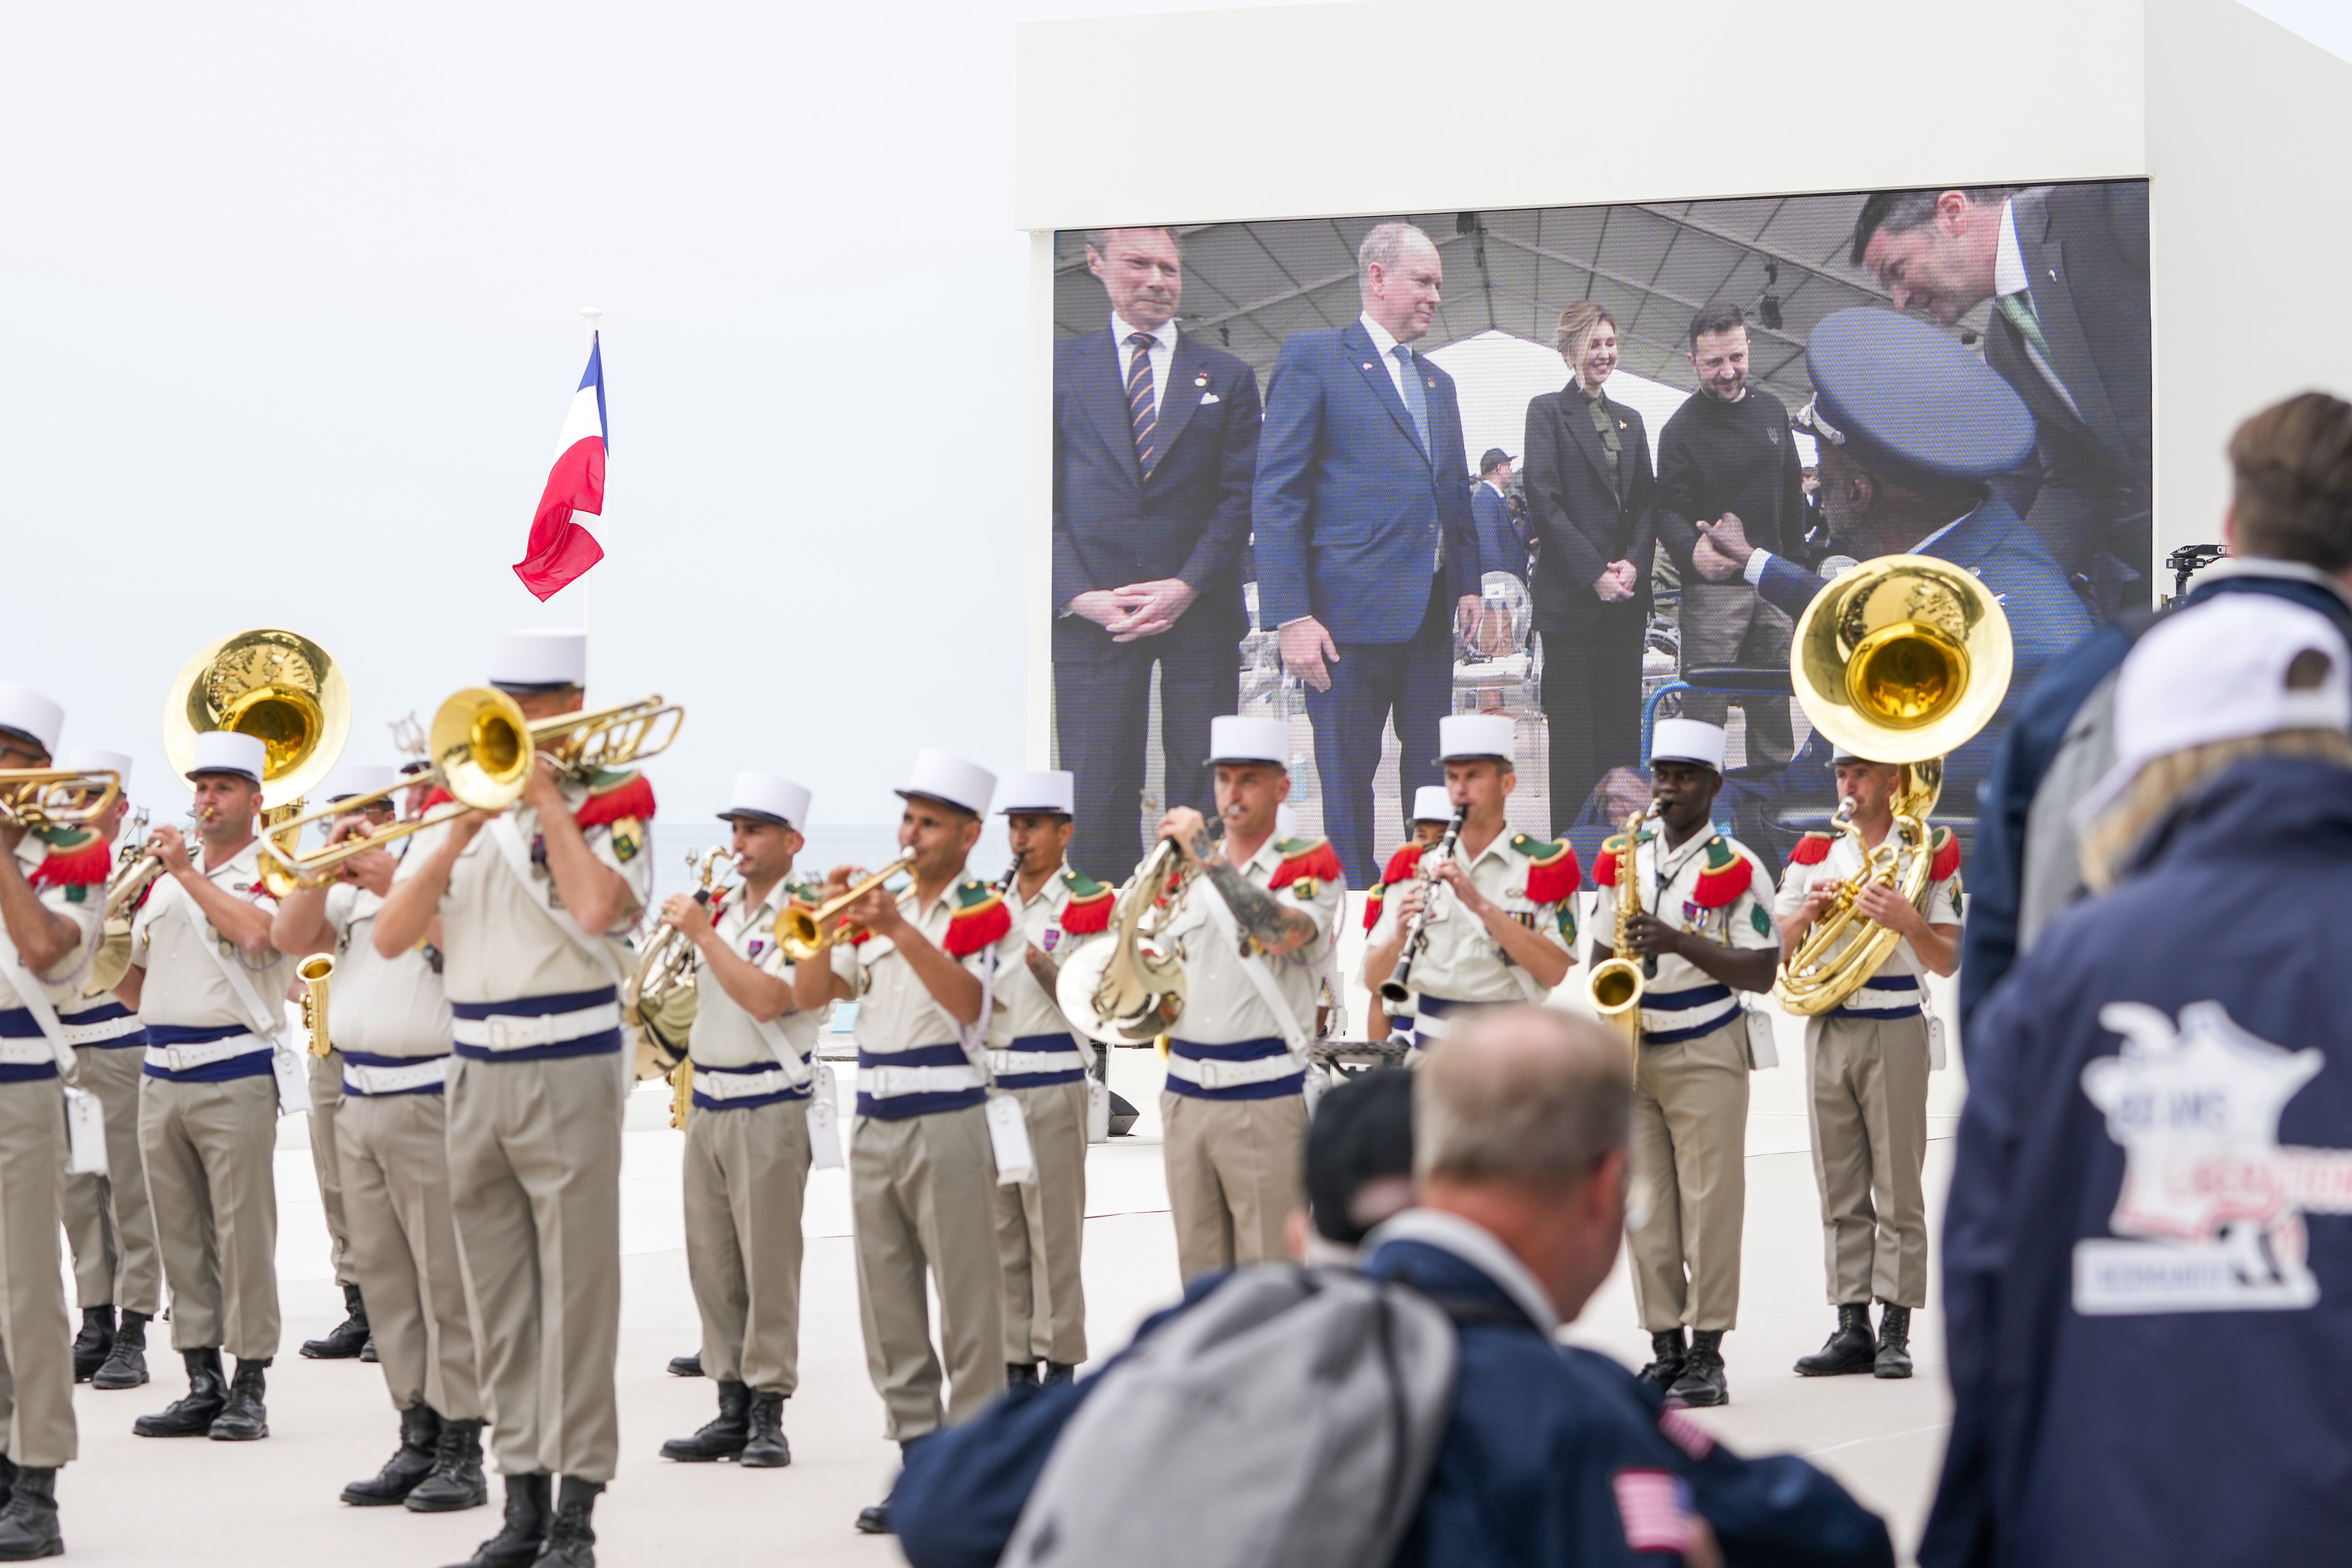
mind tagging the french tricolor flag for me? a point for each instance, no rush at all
(559, 549)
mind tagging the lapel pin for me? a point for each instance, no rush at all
(1201, 378)
(1367, 365)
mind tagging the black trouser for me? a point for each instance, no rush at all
(1592, 709)
(1409, 685)
(1102, 716)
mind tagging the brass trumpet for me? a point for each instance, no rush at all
(56, 797)
(314, 972)
(801, 933)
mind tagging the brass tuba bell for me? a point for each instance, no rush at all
(279, 687)
(1128, 986)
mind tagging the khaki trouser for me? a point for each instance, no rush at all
(920, 1194)
(1690, 1169)
(746, 1174)
(209, 1149)
(1732, 623)
(1233, 1177)
(326, 1096)
(1040, 1227)
(535, 1188)
(393, 1152)
(1868, 1111)
(36, 1376)
(107, 1218)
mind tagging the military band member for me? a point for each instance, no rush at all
(52, 899)
(924, 965)
(1041, 1223)
(1703, 918)
(349, 1338)
(210, 990)
(1503, 928)
(748, 1149)
(531, 901)
(388, 1022)
(1868, 1080)
(1234, 1108)
(109, 1225)
(1432, 810)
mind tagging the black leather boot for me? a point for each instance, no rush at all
(346, 1339)
(192, 1414)
(516, 1543)
(1849, 1350)
(876, 1520)
(766, 1450)
(457, 1481)
(91, 1345)
(126, 1362)
(420, 1439)
(1894, 1357)
(720, 1439)
(29, 1525)
(1020, 1372)
(1701, 1381)
(244, 1419)
(571, 1543)
(686, 1365)
(1061, 1372)
(1667, 1353)
(367, 1350)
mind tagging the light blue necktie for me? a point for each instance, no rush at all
(1415, 403)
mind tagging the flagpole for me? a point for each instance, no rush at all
(594, 317)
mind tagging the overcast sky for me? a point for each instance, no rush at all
(289, 296)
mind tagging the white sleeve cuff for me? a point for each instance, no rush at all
(1754, 570)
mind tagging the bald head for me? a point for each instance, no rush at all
(1528, 1097)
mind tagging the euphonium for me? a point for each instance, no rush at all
(661, 993)
(1614, 988)
(314, 972)
(803, 933)
(56, 797)
(1128, 987)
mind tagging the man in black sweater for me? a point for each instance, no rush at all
(1727, 452)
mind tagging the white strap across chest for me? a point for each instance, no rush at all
(509, 840)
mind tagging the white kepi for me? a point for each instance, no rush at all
(1432, 803)
(1465, 737)
(356, 778)
(1688, 741)
(538, 660)
(1039, 792)
(766, 797)
(229, 751)
(98, 760)
(30, 714)
(949, 779)
(1236, 739)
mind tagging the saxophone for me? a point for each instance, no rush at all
(1614, 988)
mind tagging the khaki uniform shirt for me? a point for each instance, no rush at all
(1460, 961)
(1222, 1005)
(380, 1006)
(724, 1035)
(175, 943)
(1683, 1000)
(84, 906)
(1895, 991)
(896, 1011)
(1038, 921)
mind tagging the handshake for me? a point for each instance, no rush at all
(1722, 552)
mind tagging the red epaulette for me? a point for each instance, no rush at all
(1083, 916)
(1946, 863)
(981, 921)
(1613, 854)
(1306, 858)
(1725, 878)
(1553, 870)
(631, 797)
(434, 797)
(1372, 901)
(89, 863)
(1402, 864)
(1812, 849)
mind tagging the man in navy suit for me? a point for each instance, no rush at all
(1155, 437)
(1502, 539)
(1366, 552)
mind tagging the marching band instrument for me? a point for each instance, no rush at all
(56, 797)
(279, 687)
(666, 974)
(1395, 990)
(801, 933)
(1614, 988)
(1129, 988)
(111, 959)
(1900, 660)
(314, 972)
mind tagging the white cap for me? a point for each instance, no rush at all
(229, 751)
(1432, 803)
(1286, 821)
(939, 776)
(768, 798)
(2220, 672)
(1463, 736)
(1234, 738)
(540, 660)
(1033, 790)
(1688, 741)
(29, 713)
(99, 760)
(356, 778)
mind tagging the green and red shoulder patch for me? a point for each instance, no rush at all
(1613, 857)
(434, 797)
(1311, 861)
(1946, 863)
(1812, 849)
(1553, 872)
(981, 919)
(614, 797)
(74, 858)
(1402, 864)
(1728, 874)
(1088, 909)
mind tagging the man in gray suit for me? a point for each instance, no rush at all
(2066, 269)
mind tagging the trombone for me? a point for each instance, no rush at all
(482, 749)
(39, 798)
(802, 932)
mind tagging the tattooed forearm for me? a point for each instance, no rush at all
(1278, 930)
(1047, 972)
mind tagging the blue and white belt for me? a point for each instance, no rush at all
(374, 1077)
(1433, 1018)
(537, 1028)
(1669, 1016)
(746, 1088)
(25, 1053)
(1882, 996)
(109, 1025)
(214, 1053)
(1037, 1061)
(1238, 1069)
(922, 1081)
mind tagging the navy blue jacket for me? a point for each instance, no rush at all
(1997, 859)
(1348, 504)
(1190, 518)
(1500, 548)
(2173, 1432)
(1524, 1476)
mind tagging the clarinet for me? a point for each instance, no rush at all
(1394, 990)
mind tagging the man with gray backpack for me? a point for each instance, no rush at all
(1416, 1412)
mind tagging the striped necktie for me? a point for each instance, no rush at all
(1140, 411)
